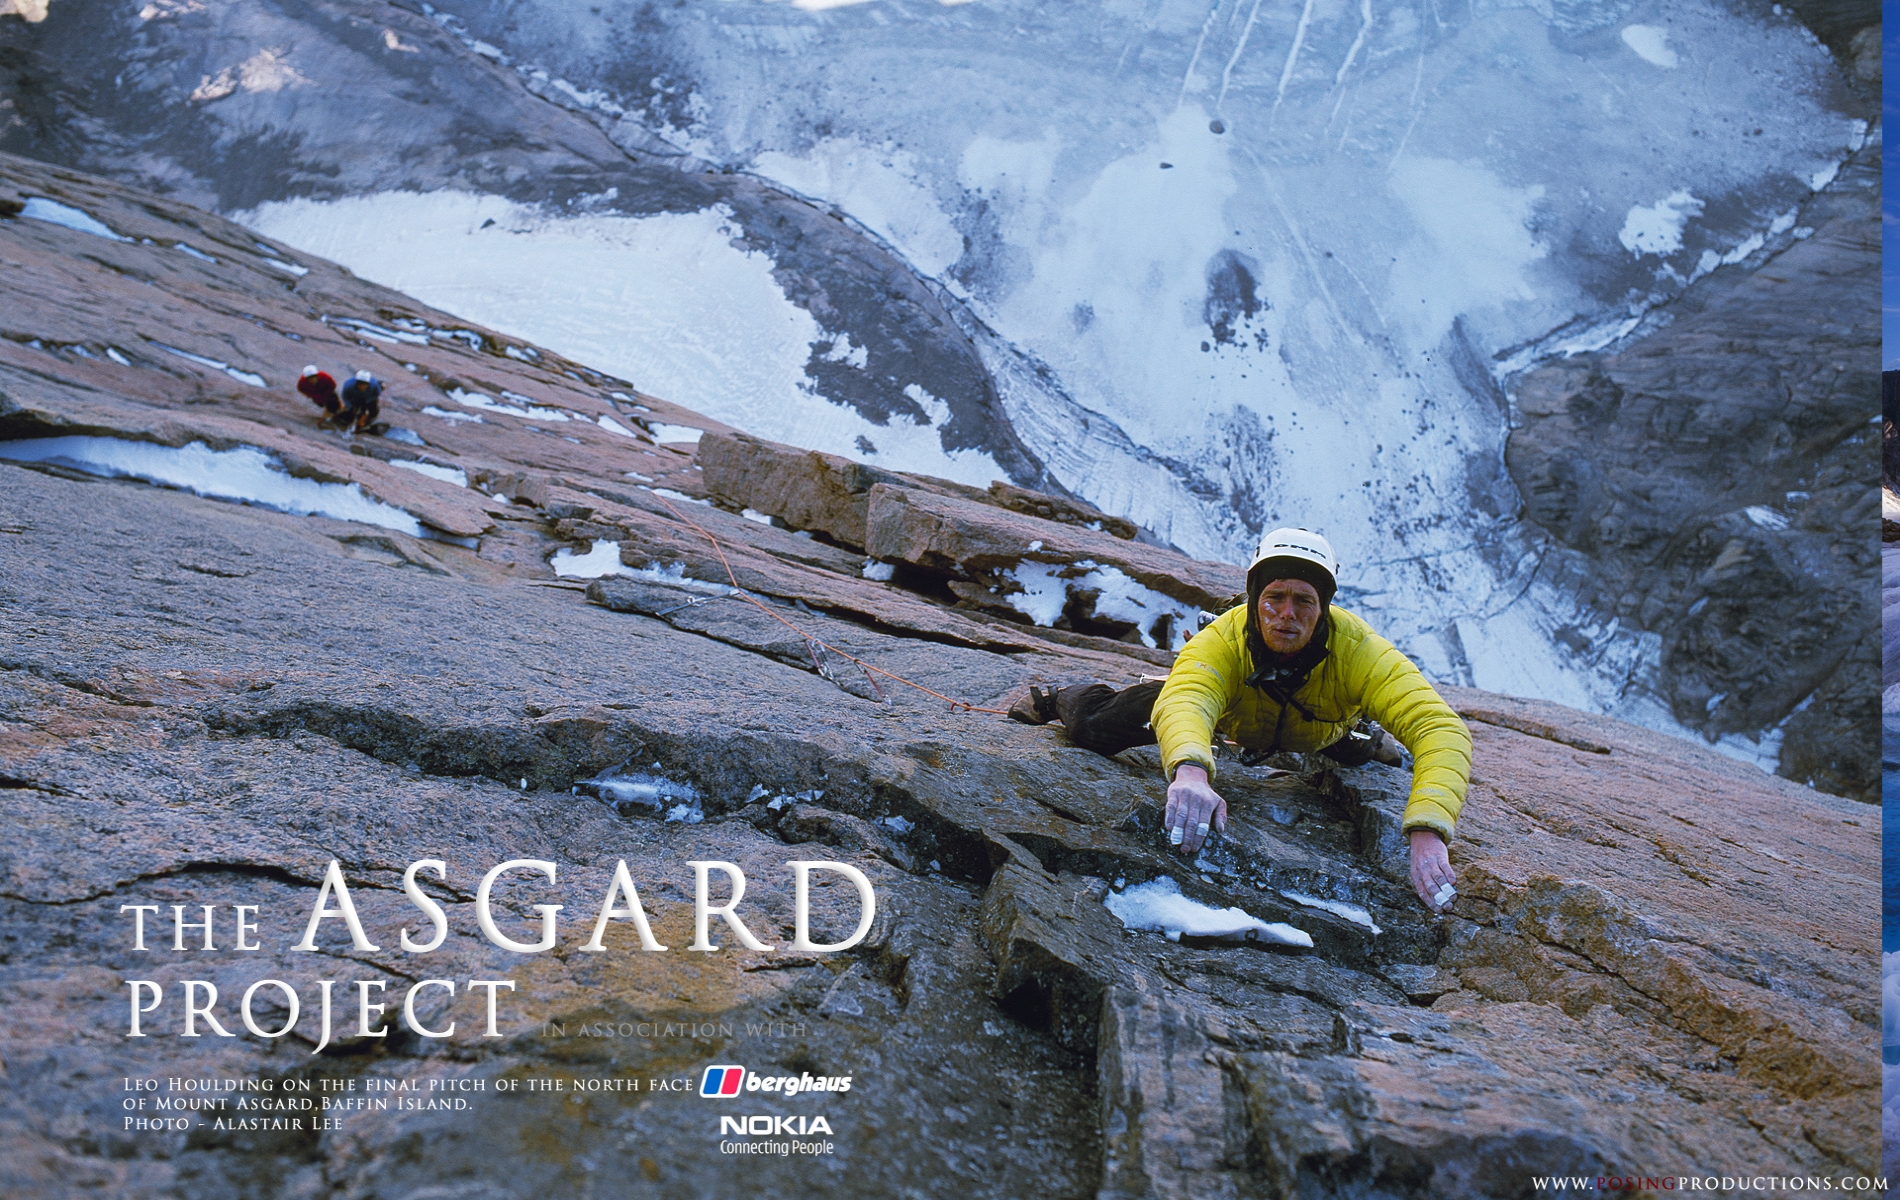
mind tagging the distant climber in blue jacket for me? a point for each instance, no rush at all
(362, 402)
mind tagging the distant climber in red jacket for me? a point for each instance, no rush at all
(320, 388)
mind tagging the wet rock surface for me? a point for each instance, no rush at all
(1659, 957)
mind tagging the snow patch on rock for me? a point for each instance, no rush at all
(1651, 43)
(1657, 228)
(247, 475)
(1158, 905)
(1352, 912)
(39, 208)
(1047, 589)
(454, 475)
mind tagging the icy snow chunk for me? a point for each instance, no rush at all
(1744, 248)
(188, 356)
(1657, 228)
(55, 213)
(540, 411)
(843, 351)
(195, 253)
(446, 415)
(1651, 42)
(246, 474)
(1043, 594)
(454, 475)
(662, 432)
(879, 571)
(113, 354)
(753, 514)
(1823, 177)
(241, 376)
(613, 426)
(670, 494)
(469, 399)
(407, 437)
(1765, 517)
(1352, 912)
(1046, 593)
(377, 332)
(1159, 905)
(524, 407)
(293, 268)
(677, 801)
(602, 558)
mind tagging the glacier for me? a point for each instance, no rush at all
(1230, 265)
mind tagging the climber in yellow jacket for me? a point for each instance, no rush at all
(1285, 671)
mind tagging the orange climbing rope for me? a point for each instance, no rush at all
(814, 645)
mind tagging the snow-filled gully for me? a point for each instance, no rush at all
(245, 475)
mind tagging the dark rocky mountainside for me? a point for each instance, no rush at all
(1658, 957)
(1715, 483)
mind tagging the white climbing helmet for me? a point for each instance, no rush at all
(309, 371)
(1290, 553)
(364, 376)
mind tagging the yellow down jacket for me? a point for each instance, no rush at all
(1362, 673)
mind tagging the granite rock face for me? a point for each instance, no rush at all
(808, 489)
(1659, 957)
(1724, 469)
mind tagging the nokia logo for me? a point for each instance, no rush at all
(763, 1126)
(729, 1081)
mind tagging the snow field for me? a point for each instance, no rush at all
(664, 300)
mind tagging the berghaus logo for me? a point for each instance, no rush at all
(725, 1081)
